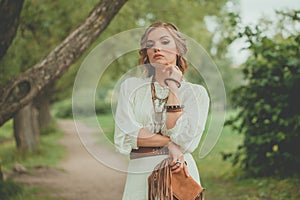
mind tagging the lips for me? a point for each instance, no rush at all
(156, 56)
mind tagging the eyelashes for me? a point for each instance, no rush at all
(165, 42)
(150, 44)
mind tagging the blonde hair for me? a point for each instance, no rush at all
(180, 42)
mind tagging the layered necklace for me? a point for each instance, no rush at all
(159, 98)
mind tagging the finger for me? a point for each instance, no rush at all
(175, 164)
(178, 162)
(175, 160)
(177, 169)
(185, 169)
(179, 159)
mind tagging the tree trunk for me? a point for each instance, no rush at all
(1, 174)
(26, 128)
(9, 21)
(43, 106)
(21, 90)
(42, 103)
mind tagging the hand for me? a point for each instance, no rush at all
(173, 73)
(177, 157)
(178, 165)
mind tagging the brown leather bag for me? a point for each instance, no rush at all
(165, 185)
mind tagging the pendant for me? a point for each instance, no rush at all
(159, 105)
(161, 92)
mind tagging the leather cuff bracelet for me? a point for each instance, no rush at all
(174, 108)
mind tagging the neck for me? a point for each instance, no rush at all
(160, 80)
(160, 77)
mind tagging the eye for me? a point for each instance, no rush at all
(165, 42)
(149, 45)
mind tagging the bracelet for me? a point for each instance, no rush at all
(172, 79)
(174, 108)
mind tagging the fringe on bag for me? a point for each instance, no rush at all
(159, 182)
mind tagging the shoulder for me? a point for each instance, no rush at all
(133, 83)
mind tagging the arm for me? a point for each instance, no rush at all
(173, 99)
(129, 134)
(148, 139)
(190, 125)
(187, 131)
(126, 126)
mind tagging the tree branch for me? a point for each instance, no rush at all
(23, 89)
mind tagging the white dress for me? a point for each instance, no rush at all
(135, 111)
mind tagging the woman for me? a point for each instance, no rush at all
(160, 115)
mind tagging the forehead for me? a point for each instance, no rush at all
(158, 33)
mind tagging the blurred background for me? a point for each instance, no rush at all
(254, 44)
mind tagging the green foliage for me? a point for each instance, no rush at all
(225, 182)
(63, 109)
(269, 111)
(43, 25)
(107, 125)
(9, 189)
(6, 131)
(48, 153)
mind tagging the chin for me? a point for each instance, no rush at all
(159, 63)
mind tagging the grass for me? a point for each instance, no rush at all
(15, 191)
(107, 125)
(49, 153)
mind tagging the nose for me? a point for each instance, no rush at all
(156, 47)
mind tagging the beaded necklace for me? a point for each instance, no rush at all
(159, 100)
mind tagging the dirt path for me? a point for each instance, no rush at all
(79, 176)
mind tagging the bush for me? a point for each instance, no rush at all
(269, 115)
(63, 109)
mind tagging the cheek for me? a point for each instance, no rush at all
(171, 54)
(171, 51)
(150, 54)
(171, 47)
